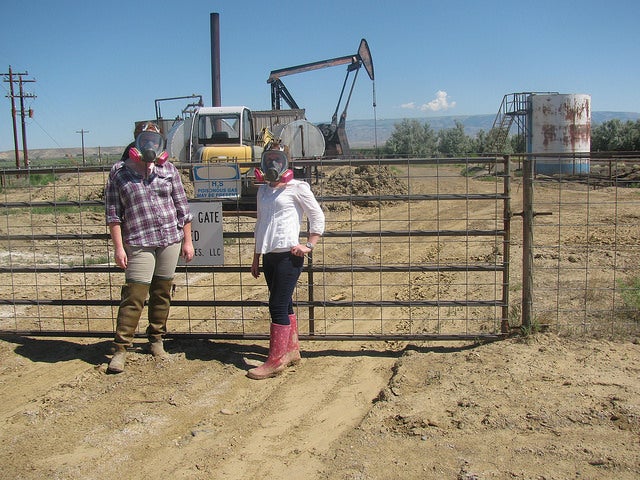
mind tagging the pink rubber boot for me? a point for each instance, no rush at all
(293, 349)
(278, 346)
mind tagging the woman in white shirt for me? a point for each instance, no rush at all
(281, 203)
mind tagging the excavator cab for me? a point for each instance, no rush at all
(218, 129)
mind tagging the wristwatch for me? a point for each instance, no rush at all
(310, 245)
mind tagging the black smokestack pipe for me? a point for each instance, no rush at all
(215, 59)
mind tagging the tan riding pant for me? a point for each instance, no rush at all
(144, 263)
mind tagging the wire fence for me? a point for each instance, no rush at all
(414, 249)
(585, 249)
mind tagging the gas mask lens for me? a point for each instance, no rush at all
(274, 164)
(150, 145)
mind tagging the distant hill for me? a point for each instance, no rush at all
(361, 133)
(107, 153)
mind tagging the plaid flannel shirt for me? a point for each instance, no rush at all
(151, 211)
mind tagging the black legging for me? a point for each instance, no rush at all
(281, 271)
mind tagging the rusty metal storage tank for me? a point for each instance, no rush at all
(560, 133)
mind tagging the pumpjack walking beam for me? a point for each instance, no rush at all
(335, 137)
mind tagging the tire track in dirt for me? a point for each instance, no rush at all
(324, 398)
(194, 416)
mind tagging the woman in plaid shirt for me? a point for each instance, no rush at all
(150, 225)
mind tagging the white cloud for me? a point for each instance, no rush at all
(440, 103)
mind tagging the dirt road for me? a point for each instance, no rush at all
(546, 407)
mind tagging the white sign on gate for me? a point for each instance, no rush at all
(217, 180)
(206, 233)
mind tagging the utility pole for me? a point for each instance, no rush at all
(9, 77)
(82, 132)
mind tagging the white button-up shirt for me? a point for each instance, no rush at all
(280, 214)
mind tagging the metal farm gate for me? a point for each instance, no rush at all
(414, 249)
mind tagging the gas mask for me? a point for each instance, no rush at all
(274, 167)
(149, 147)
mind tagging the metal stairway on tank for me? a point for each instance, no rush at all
(514, 108)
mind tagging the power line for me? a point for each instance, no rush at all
(49, 135)
(82, 132)
(9, 77)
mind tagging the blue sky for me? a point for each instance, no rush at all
(99, 66)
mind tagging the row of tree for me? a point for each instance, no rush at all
(415, 139)
(616, 136)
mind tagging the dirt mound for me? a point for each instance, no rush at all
(362, 181)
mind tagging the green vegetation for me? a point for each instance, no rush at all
(470, 171)
(630, 293)
(92, 160)
(532, 329)
(411, 138)
(100, 260)
(415, 139)
(28, 180)
(57, 210)
(64, 209)
(41, 179)
(616, 136)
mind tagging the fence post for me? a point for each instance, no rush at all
(527, 240)
(506, 242)
(312, 315)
